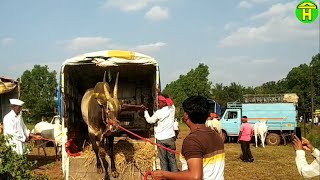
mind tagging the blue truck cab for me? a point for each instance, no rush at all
(278, 110)
(214, 107)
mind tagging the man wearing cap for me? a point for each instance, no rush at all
(163, 119)
(14, 126)
(245, 135)
(214, 123)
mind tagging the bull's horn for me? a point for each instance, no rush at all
(104, 76)
(106, 92)
(115, 90)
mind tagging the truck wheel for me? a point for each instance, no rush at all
(224, 136)
(273, 139)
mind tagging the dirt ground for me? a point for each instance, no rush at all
(272, 162)
(48, 165)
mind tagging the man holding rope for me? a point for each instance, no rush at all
(14, 126)
(202, 150)
(163, 119)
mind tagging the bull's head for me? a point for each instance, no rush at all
(109, 103)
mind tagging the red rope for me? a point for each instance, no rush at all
(148, 140)
(148, 173)
(70, 145)
(47, 139)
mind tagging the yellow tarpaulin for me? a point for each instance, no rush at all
(6, 87)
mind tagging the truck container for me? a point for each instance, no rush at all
(277, 110)
(138, 81)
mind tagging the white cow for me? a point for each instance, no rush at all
(260, 129)
(49, 131)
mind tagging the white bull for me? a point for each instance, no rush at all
(260, 129)
(49, 131)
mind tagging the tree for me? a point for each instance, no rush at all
(224, 94)
(315, 72)
(38, 90)
(195, 82)
(298, 81)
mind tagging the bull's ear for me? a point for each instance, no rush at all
(115, 89)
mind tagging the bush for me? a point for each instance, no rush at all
(14, 165)
(312, 134)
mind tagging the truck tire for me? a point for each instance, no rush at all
(273, 139)
(224, 136)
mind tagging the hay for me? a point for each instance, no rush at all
(130, 156)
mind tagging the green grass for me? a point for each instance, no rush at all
(183, 126)
(271, 162)
(30, 126)
(312, 133)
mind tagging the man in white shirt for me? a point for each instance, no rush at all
(163, 119)
(14, 126)
(176, 127)
(306, 170)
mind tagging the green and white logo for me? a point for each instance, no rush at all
(307, 11)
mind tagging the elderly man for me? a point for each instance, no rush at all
(14, 126)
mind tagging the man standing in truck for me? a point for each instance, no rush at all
(163, 119)
(245, 136)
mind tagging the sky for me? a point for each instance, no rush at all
(248, 42)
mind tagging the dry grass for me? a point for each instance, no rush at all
(272, 162)
(129, 156)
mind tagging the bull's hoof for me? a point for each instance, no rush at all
(106, 177)
(114, 173)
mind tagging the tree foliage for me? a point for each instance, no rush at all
(233, 92)
(38, 90)
(301, 80)
(315, 72)
(298, 80)
(195, 82)
(14, 165)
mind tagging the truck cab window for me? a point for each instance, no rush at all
(232, 115)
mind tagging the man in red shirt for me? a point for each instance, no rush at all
(246, 132)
